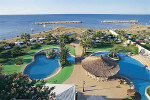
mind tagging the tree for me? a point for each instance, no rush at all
(64, 38)
(49, 36)
(51, 53)
(63, 54)
(26, 37)
(99, 34)
(86, 41)
(16, 51)
(113, 51)
(135, 50)
(18, 86)
(143, 31)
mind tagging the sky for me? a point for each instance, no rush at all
(8, 7)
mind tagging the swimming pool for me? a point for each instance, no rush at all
(42, 67)
(134, 70)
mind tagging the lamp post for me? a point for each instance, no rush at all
(83, 86)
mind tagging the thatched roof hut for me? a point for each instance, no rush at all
(100, 66)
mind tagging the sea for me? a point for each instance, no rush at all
(14, 25)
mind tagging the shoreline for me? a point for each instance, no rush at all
(61, 29)
(57, 22)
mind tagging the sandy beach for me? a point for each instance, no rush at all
(136, 27)
(54, 31)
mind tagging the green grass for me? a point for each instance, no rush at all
(72, 49)
(98, 49)
(63, 75)
(123, 51)
(148, 91)
(128, 97)
(10, 67)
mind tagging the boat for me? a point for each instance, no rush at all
(32, 29)
(44, 25)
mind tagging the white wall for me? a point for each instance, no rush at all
(113, 32)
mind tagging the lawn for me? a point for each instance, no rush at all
(63, 75)
(10, 67)
(72, 50)
(98, 49)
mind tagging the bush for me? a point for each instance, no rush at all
(148, 91)
(135, 50)
(35, 46)
(18, 86)
(51, 53)
(19, 62)
(16, 51)
(2, 60)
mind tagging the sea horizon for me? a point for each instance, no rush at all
(74, 14)
(14, 25)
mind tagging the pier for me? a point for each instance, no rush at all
(120, 21)
(57, 22)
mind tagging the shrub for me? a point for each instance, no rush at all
(51, 53)
(135, 50)
(16, 51)
(19, 62)
(35, 46)
(18, 86)
(148, 91)
(2, 60)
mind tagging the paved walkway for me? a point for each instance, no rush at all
(92, 87)
(143, 60)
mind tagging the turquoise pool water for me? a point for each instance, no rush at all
(134, 70)
(43, 67)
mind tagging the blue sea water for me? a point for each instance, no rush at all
(134, 70)
(13, 25)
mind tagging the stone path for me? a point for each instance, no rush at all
(92, 87)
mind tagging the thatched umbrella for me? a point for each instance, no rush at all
(131, 92)
(100, 66)
(134, 94)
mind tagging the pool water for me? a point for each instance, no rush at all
(134, 70)
(42, 67)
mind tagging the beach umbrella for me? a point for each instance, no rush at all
(134, 94)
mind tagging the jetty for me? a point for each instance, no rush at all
(120, 21)
(57, 22)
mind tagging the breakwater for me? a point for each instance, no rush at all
(57, 22)
(120, 21)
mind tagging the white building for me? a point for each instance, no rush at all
(7, 47)
(113, 32)
(63, 91)
(19, 43)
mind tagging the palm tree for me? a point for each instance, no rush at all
(86, 41)
(63, 54)
(113, 51)
(64, 38)
(26, 37)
